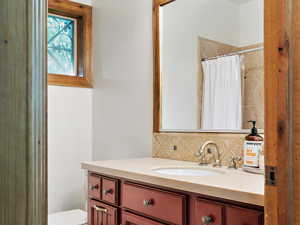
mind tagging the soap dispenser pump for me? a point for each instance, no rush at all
(253, 147)
(254, 136)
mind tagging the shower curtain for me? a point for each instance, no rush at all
(222, 94)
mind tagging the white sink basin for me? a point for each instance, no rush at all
(183, 171)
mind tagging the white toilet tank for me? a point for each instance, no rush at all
(72, 217)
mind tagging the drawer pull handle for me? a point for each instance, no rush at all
(93, 187)
(106, 192)
(206, 220)
(148, 202)
(100, 209)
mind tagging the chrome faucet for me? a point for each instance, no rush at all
(202, 154)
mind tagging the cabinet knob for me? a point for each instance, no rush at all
(206, 220)
(93, 187)
(148, 202)
(107, 191)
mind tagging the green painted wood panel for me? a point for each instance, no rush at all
(23, 145)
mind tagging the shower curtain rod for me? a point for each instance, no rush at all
(234, 53)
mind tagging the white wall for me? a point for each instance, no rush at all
(184, 21)
(122, 96)
(69, 143)
(251, 21)
(87, 2)
(116, 113)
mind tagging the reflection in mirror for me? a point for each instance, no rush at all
(211, 64)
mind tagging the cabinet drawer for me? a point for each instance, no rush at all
(100, 213)
(110, 190)
(208, 212)
(167, 206)
(94, 186)
(242, 216)
(131, 219)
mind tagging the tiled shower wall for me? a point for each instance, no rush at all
(253, 106)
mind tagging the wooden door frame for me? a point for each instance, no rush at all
(282, 94)
(23, 105)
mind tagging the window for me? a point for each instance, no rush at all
(62, 45)
(69, 44)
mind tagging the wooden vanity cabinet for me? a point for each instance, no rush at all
(242, 216)
(103, 188)
(163, 205)
(109, 189)
(102, 214)
(94, 186)
(132, 219)
(115, 201)
(209, 212)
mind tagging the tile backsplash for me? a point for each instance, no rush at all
(188, 144)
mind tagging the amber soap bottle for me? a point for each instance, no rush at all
(253, 147)
(254, 136)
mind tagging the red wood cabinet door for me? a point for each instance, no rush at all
(241, 216)
(94, 186)
(102, 214)
(209, 213)
(131, 219)
(163, 205)
(110, 190)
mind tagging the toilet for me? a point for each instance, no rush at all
(72, 217)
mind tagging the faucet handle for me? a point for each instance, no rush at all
(234, 162)
(201, 155)
(217, 163)
(236, 158)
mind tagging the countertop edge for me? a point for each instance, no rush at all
(249, 198)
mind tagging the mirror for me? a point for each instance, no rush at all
(209, 65)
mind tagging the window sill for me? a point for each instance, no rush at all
(69, 81)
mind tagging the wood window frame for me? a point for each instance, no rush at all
(83, 14)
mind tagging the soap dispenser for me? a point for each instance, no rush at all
(254, 136)
(253, 147)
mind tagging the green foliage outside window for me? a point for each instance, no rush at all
(61, 45)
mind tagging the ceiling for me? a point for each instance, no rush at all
(240, 2)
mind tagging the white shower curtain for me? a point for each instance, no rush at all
(222, 94)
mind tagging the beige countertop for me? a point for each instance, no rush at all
(230, 184)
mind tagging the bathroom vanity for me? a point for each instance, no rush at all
(151, 191)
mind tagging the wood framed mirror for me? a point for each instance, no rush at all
(208, 65)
